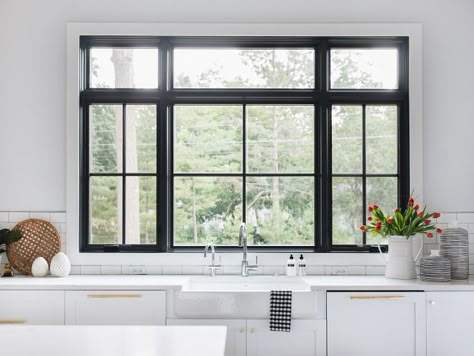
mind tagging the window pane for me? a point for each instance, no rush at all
(381, 139)
(207, 210)
(105, 207)
(364, 68)
(105, 136)
(280, 139)
(141, 138)
(280, 210)
(243, 68)
(347, 210)
(124, 68)
(140, 213)
(346, 139)
(208, 138)
(382, 191)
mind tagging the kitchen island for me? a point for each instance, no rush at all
(60, 340)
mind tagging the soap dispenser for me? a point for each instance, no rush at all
(291, 267)
(301, 266)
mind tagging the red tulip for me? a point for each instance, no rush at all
(420, 214)
(428, 221)
(376, 206)
(436, 215)
(369, 218)
(429, 234)
(416, 207)
(439, 230)
(397, 210)
(390, 220)
(411, 201)
(377, 228)
(362, 227)
(370, 208)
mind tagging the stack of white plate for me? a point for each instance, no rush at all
(435, 269)
(454, 244)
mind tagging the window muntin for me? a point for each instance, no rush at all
(332, 193)
(243, 68)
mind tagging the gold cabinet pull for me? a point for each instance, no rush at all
(242, 330)
(12, 321)
(362, 297)
(116, 296)
(251, 330)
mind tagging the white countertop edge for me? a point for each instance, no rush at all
(175, 282)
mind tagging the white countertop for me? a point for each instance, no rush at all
(69, 340)
(154, 282)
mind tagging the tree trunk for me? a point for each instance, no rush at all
(122, 59)
(195, 226)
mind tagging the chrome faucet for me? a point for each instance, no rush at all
(245, 267)
(213, 267)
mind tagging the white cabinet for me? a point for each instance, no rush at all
(254, 338)
(307, 338)
(376, 323)
(236, 332)
(32, 307)
(450, 323)
(116, 307)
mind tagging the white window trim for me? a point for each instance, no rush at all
(75, 30)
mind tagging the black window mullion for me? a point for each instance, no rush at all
(244, 163)
(124, 171)
(364, 171)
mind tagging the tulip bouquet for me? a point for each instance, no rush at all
(406, 222)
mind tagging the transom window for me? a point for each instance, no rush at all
(184, 138)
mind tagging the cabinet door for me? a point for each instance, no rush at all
(450, 323)
(116, 307)
(235, 340)
(306, 338)
(32, 307)
(373, 324)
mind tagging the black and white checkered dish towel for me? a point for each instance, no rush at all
(280, 310)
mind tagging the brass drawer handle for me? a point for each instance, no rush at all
(12, 321)
(115, 296)
(242, 330)
(252, 330)
(362, 297)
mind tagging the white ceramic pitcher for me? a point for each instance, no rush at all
(400, 263)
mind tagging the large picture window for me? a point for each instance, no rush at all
(184, 138)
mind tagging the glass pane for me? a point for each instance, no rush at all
(243, 68)
(381, 139)
(124, 68)
(140, 216)
(105, 210)
(280, 139)
(207, 210)
(280, 210)
(382, 191)
(364, 68)
(346, 139)
(347, 205)
(105, 136)
(208, 138)
(141, 138)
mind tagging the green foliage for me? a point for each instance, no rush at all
(8, 237)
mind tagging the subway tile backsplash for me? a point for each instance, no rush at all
(267, 266)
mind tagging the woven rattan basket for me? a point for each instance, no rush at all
(39, 239)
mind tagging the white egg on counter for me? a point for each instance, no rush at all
(40, 267)
(60, 265)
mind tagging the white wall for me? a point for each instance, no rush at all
(33, 81)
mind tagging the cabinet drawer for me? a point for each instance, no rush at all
(116, 307)
(32, 307)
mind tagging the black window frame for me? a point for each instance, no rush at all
(166, 96)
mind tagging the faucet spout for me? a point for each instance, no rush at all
(245, 268)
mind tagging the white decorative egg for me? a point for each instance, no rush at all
(60, 265)
(40, 267)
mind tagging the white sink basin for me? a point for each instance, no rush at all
(234, 284)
